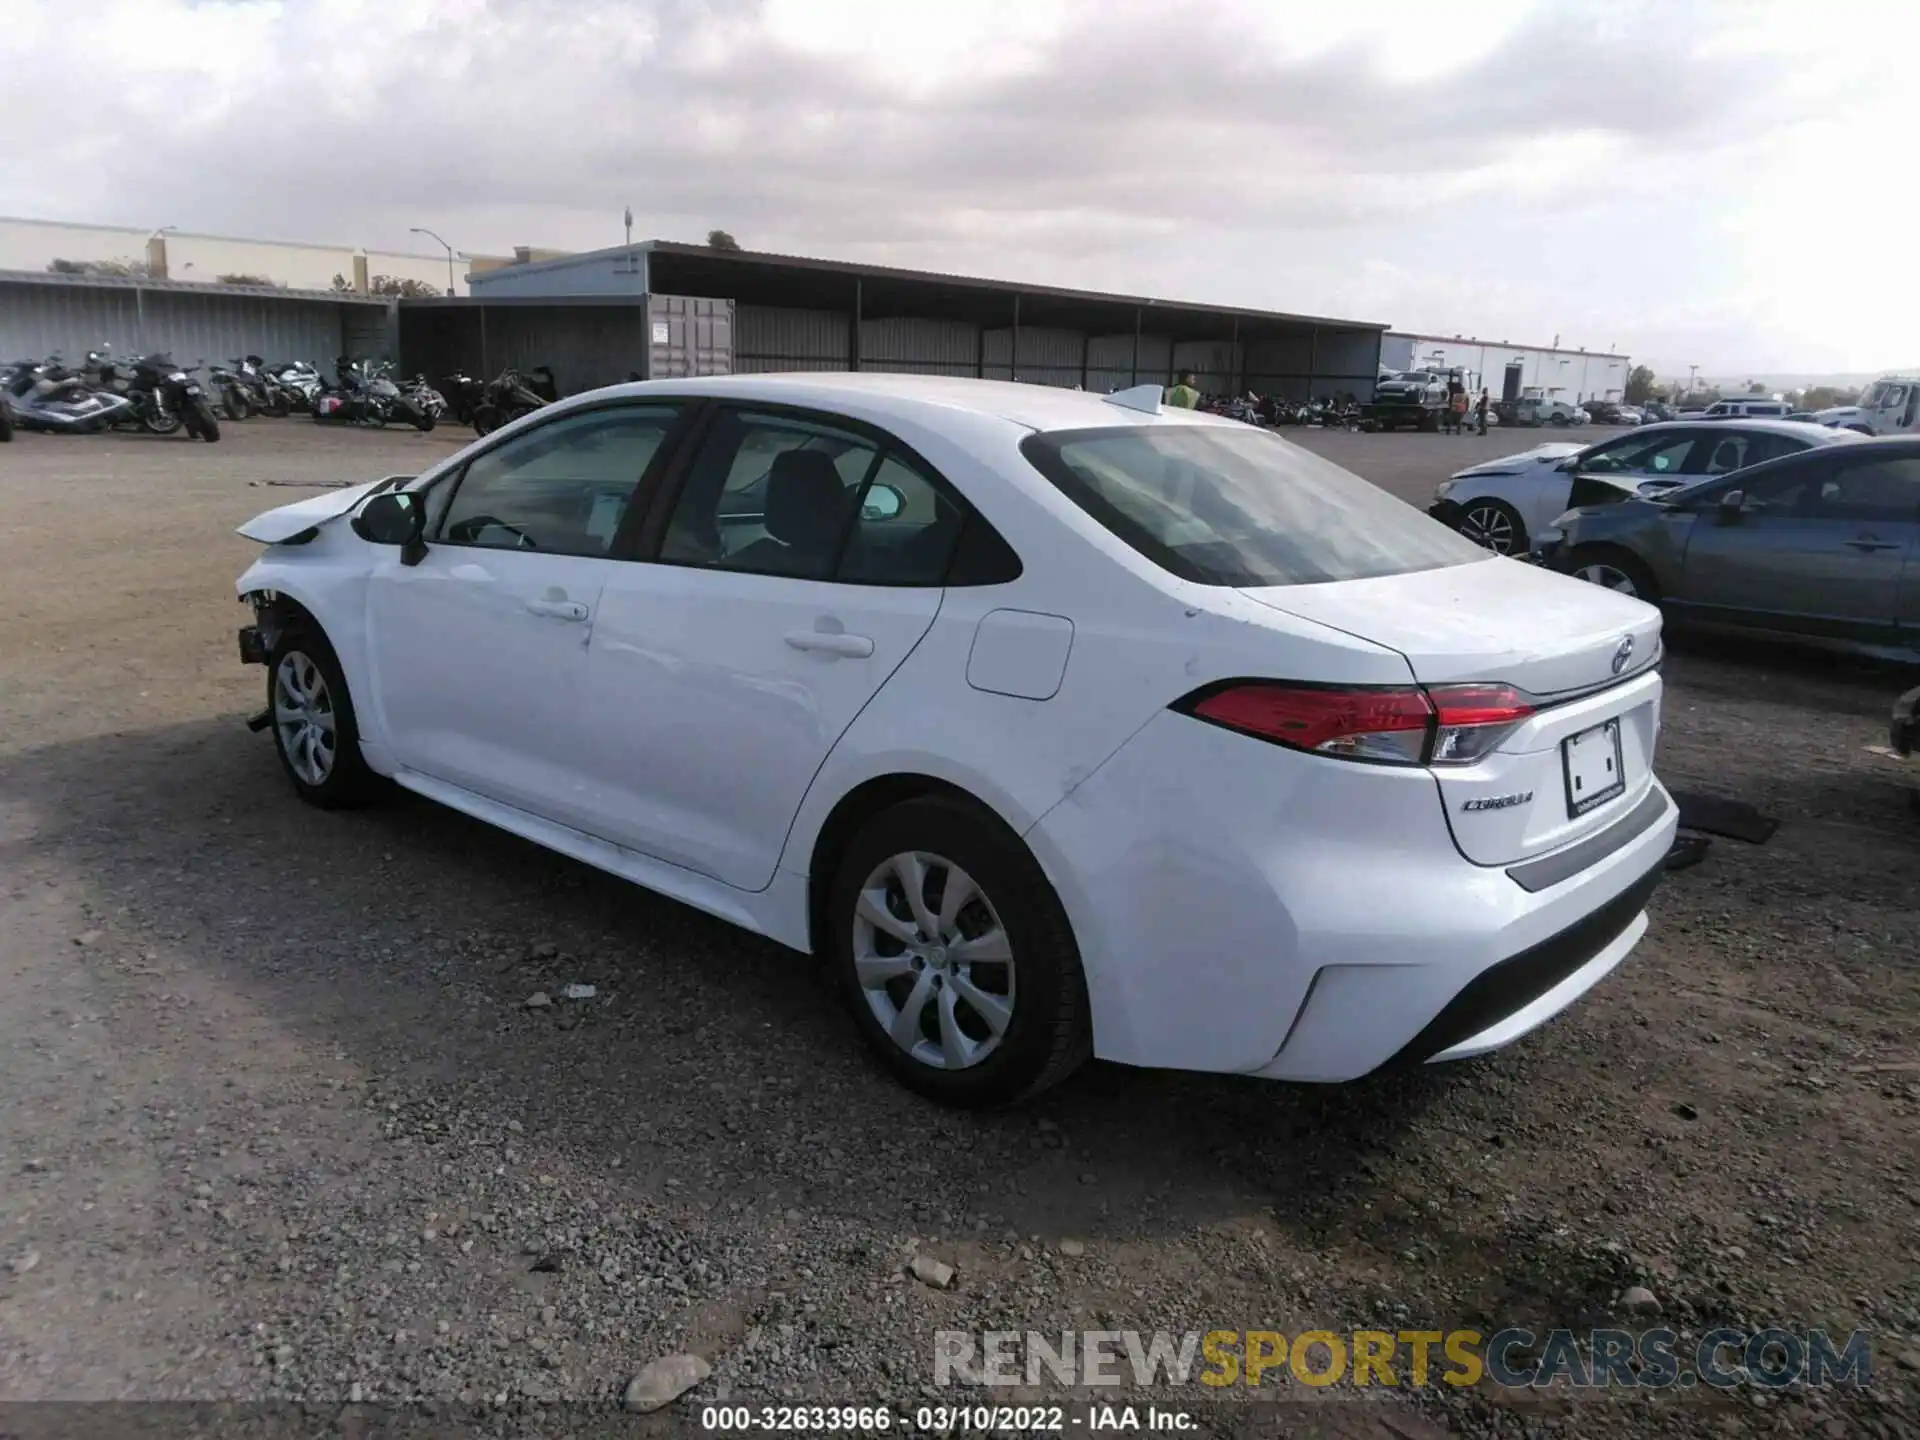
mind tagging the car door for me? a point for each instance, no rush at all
(478, 652)
(1818, 547)
(797, 560)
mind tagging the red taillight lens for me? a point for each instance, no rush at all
(1470, 721)
(1396, 725)
(1358, 724)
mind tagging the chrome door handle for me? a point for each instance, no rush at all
(558, 609)
(856, 647)
(1868, 542)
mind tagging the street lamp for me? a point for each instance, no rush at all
(422, 230)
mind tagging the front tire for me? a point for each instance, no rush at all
(160, 422)
(234, 404)
(207, 427)
(486, 419)
(1494, 524)
(314, 731)
(955, 956)
(1617, 570)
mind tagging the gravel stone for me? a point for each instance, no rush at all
(663, 1381)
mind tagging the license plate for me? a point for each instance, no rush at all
(1595, 773)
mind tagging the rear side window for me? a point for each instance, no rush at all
(1237, 506)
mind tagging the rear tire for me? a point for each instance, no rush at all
(277, 406)
(486, 419)
(1616, 569)
(314, 730)
(156, 423)
(423, 420)
(1494, 524)
(987, 996)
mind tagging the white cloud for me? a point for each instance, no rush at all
(1701, 184)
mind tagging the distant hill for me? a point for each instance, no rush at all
(1775, 380)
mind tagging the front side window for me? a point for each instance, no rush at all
(1859, 489)
(562, 488)
(1221, 506)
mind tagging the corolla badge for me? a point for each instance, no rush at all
(1622, 653)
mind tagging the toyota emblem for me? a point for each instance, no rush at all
(1622, 653)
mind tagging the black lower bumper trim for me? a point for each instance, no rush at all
(1516, 982)
(1538, 875)
(253, 649)
(1447, 512)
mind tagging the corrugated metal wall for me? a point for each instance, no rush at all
(768, 339)
(69, 320)
(920, 347)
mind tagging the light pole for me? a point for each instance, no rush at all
(1692, 370)
(422, 230)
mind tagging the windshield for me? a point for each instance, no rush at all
(1417, 377)
(1232, 506)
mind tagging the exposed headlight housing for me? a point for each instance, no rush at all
(1441, 491)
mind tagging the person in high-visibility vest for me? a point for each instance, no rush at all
(1184, 394)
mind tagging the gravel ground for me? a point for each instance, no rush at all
(280, 1124)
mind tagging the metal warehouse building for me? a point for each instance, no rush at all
(68, 315)
(1509, 370)
(660, 309)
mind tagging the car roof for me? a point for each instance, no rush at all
(879, 395)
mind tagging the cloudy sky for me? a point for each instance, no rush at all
(1724, 184)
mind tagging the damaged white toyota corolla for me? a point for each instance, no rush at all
(1055, 724)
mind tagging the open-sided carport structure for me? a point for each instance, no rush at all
(595, 318)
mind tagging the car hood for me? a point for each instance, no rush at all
(1836, 414)
(271, 527)
(1546, 455)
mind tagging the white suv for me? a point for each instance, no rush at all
(1747, 410)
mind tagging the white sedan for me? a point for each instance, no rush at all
(1504, 504)
(1054, 724)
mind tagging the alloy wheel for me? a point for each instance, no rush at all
(1610, 576)
(303, 715)
(1490, 526)
(933, 960)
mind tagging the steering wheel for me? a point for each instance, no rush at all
(468, 532)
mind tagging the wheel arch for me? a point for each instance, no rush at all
(852, 811)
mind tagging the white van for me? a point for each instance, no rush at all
(1747, 410)
(1890, 406)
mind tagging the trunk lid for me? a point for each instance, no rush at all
(1553, 637)
(271, 527)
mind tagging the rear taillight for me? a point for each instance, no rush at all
(1392, 725)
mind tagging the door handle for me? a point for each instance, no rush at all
(857, 647)
(1869, 542)
(558, 609)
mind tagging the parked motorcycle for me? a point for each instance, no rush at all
(164, 397)
(425, 396)
(366, 395)
(235, 402)
(45, 395)
(302, 383)
(510, 395)
(264, 393)
(464, 393)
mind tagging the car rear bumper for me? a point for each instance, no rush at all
(1231, 902)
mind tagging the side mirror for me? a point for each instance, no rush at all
(393, 518)
(1732, 505)
(882, 502)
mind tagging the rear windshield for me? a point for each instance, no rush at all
(1232, 505)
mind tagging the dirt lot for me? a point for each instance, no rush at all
(278, 1124)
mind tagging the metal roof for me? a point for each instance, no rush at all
(769, 278)
(184, 287)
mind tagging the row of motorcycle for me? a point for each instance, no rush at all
(365, 392)
(1341, 413)
(153, 393)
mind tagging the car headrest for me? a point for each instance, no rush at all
(806, 502)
